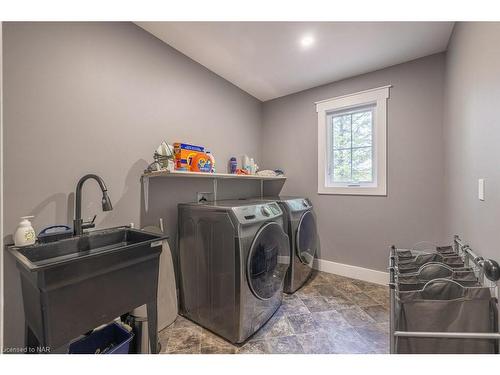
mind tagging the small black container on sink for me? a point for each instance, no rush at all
(74, 285)
(55, 233)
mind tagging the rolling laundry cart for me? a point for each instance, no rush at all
(443, 301)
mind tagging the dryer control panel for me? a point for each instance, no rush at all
(299, 204)
(257, 212)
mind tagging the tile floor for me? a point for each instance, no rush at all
(330, 314)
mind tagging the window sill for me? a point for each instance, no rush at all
(370, 191)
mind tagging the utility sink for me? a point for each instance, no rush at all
(76, 284)
(79, 248)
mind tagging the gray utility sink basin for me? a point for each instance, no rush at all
(74, 285)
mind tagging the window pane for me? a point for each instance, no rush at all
(362, 164)
(342, 166)
(351, 150)
(362, 129)
(341, 131)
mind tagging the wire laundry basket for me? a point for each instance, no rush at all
(443, 300)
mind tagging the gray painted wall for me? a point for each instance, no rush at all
(472, 97)
(99, 97)
(358, 230)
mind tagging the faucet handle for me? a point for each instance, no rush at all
(89, 224)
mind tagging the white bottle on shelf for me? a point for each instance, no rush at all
(245, 163)
(252, 166)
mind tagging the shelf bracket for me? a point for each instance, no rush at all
(261, 188)
(145, 191)
(215, 189)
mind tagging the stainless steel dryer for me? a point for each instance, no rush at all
(300, 225)
(234, 256)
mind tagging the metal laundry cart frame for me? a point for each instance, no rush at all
(471, 259)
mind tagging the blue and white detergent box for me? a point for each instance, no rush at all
(184, 153)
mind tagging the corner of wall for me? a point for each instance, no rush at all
(1, 195)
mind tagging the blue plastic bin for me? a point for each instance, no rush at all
(112, 339)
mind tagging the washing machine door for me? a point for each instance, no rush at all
(306, 238)
(268, 261)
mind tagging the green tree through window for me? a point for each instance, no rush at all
(351, 159)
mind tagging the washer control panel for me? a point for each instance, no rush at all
(257, 212)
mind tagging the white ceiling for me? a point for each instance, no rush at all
(267, 60)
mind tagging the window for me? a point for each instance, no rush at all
(352, 143)
(350, 156)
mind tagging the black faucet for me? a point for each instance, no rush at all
(78, 224)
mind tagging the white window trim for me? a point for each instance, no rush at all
(378, 96)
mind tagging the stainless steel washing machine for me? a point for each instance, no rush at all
(234, 256)
(300, 225)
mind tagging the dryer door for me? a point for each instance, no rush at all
(306, 238)
(268, 261)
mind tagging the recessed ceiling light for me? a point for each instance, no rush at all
(307, 41)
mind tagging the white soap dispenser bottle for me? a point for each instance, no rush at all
(25, 234)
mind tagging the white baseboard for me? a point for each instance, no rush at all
(365, 274)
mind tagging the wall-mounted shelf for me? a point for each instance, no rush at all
(211, 175)
(214, 177)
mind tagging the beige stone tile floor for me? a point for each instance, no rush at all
(329, 314)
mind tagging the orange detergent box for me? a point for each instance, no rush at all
(184, 153)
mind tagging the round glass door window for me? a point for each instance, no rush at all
(268, 261)
(306, 238)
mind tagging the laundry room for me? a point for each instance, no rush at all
(202, 186)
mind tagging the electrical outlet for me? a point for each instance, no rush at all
(204, 196)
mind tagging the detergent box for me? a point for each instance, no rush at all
(184, 153)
